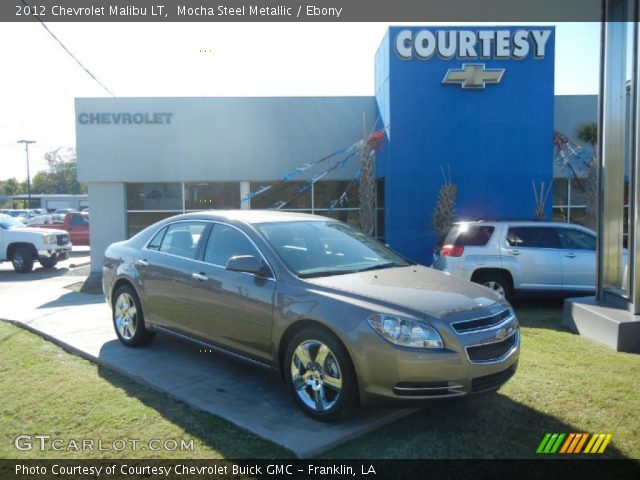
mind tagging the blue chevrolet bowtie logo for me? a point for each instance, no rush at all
(473, 75)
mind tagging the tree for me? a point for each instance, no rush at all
(62, 175)
(588, 133)
(12, 187)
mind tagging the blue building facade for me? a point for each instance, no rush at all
(475, 102)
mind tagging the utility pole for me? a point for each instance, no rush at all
(26, 149)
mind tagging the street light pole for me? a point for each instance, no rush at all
(26, 149)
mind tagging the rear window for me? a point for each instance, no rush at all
(469, 235)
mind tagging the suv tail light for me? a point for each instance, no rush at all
(452, 250)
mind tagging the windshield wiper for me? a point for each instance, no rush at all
(326, 273)
(380, 266)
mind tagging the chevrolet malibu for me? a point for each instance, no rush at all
(345, 319)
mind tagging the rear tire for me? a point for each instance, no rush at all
(22, 259)
(128, 319)
(498, 282)
(319, 374)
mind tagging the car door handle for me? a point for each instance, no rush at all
(514, 252)
(201, 277)
(142, 263)
(570, 255)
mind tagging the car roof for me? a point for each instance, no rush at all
(255, 216)
(522, 223)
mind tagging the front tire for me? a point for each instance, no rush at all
(22, 259)
(128, 319)
(319, 374)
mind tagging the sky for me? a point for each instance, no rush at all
(39, 80)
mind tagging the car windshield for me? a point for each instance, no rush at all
(7, 222)
(318, 249)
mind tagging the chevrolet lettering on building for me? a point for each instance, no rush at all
(136, 118)
(470, 44)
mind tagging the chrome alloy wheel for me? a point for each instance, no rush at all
(316, 375)
(495, 286)
(126, 316)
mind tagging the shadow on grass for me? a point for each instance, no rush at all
(541, 312)
(487, 426)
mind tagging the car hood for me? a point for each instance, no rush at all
(40, 231)
(415, 287)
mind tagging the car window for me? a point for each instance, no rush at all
(154, 244)
(469, 235)
(226, 242)
(182, 239)
(79, 220)
(573, 239)
(318, 248)
(533, 237)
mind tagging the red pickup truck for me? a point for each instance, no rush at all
(76, 224)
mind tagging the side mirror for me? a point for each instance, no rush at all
(248, 264)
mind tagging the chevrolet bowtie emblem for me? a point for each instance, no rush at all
(473, 75)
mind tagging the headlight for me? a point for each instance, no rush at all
(49, 239)
(405, 332)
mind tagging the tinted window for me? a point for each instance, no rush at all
(182, 239)
(469, 235)
(154, 244)
(573, 239)
(79, 220)
(534, 237)
(226, 242)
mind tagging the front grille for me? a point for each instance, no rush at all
(62, 239)
(492, 351)
(467, 326)
(425, 389)
(493, 381)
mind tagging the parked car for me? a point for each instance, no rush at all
(59, 214)
(343, 317)
(76, 224)
(513, 257)
(24, 245)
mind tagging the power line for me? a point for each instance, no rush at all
(69, 52)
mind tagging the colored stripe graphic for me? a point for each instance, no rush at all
(556, 443)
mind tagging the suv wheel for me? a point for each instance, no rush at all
(497, 282)
(319, 373)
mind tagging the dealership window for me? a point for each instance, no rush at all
(208, 195)
(337, 199)
(148, 203)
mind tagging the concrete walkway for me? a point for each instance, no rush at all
(250, 397)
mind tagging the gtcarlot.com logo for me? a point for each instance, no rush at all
(574, 443)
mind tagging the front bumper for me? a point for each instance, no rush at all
(469, 363)
(60, 252)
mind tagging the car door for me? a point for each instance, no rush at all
(233, 309)
(535, 252)
(165, 270)
(578, 258)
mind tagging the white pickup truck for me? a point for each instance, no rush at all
(23, 245)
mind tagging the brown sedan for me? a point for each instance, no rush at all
(343, 317)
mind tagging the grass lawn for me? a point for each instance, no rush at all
(564, 384)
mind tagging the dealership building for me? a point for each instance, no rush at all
(474, 105)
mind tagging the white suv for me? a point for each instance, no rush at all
(520, 256)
